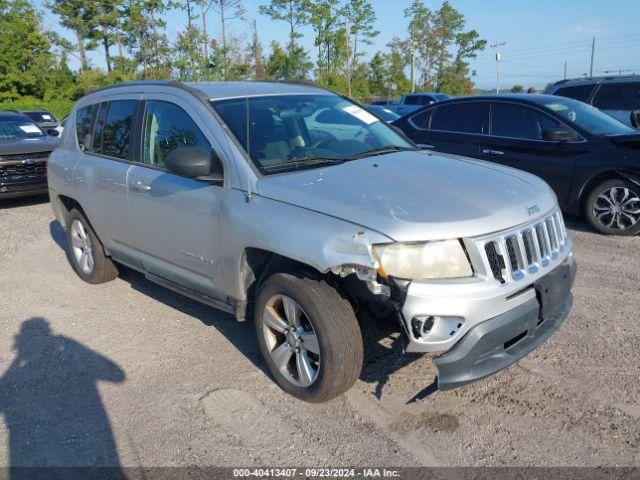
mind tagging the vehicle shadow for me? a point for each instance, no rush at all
(24, 201)
(383, 344)
(57, 424)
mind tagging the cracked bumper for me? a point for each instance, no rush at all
(498, 342)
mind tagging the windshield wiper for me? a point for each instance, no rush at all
(305, 161)
(379, 151)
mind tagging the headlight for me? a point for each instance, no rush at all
(423, 260)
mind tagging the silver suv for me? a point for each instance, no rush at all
(294, 206)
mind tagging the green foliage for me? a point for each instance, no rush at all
(59, 107)
(26, 60)
(441, 47)
(517, 89)
(131, 36)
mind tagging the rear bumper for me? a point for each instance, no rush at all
(494, 344)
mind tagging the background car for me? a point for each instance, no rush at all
(24, 150)
(616, 96)
(383, 112)
(43, 118)
(589, 159)
(415, 101)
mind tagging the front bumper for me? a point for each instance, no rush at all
(14, 191)
(496, 341)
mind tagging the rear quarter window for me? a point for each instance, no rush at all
(578, 92)
(84, 123)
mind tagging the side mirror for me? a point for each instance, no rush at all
(194, 162)
(558, 135)
(635, 119)
(53, 132)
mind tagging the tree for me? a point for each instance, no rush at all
(294, 12)
(26, 60)
(360, 17)
(78, 16)
(188, 58)
(330, 39)
(107, 23)
(145, 37)
(442, 45)
(227, 10)
(517, 89)
(257, 56)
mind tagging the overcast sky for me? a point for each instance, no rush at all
(540, 36)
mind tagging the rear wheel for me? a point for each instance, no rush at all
(613, 208)
(86, 252)
(309, 337)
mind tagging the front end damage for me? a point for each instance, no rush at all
(519, 295)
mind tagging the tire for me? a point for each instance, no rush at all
(326, 324)
(95, 267)
(609, 208)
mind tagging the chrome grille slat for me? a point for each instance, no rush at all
(514, 255)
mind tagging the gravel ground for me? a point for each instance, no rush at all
(129, 374)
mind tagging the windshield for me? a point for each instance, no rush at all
(587, 117)
(42, 117)
(18, 128)
(291, 132)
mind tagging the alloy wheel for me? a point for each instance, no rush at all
(617, 208)
(291, 340)
(81, 247)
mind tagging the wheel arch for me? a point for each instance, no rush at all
(603, 177)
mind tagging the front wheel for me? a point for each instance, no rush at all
(309, 337)
(613, 208)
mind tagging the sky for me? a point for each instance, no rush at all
(539, 36)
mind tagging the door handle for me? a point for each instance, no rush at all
(488, 151)
(426, 145)
(139, 186)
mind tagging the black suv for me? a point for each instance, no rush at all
(616, 96)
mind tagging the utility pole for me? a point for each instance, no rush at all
(593, 52)
(497, 46)
(565, 70)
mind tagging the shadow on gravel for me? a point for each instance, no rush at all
(24, 201)
(51, 406)
(383, 346)
(383, 343)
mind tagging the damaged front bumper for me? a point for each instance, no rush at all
(476, 342)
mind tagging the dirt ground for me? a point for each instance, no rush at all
(130, 374)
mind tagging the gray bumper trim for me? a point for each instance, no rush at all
(482, 352)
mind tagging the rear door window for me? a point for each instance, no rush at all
(519, 121)
(113, 128)
(466, 117)
(618, 96)
(578, 92)
(84, 124)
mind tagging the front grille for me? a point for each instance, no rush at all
(496, 263)
(19, 173)
(527, 249)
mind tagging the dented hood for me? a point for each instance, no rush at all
(413, 196)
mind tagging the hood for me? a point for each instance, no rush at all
(12, 146)
(414, 196)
